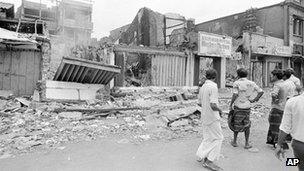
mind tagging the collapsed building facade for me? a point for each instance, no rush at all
(171, 32)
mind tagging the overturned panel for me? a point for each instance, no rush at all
(85, 71)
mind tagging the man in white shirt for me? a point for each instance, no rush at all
(295, 80)
(291, 87)
(240, 103)
(210, 148)
(293, 123)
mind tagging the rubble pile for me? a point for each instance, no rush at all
(94, 53)
(133, 114)
(26, 124)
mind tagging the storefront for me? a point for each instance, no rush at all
(266, 54)
(217, 48)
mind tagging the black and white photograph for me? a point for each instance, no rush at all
(151, 85)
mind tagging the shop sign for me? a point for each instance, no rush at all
(214, 45)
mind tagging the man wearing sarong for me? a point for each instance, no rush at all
(241, 105)
(279, 97)
(210, 148)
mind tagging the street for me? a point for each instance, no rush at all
(113, 154)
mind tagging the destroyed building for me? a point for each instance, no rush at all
(277, 32)
(7, 10)
(68, 19)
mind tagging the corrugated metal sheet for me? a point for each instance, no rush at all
(84, 71)
(169, 70)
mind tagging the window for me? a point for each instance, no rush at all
(298, 49)
(297, 26)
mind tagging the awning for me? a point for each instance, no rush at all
(10, 37)
(85, 71)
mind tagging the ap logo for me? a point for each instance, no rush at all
(292, 162)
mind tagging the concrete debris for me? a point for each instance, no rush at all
(253, 150)
(71, 115)
(23, 101)
(6, 93)
(140, 114)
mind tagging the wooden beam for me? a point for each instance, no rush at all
(59, 71)
(75, 73)
(84, 74)
(97, 76)
(146, 50)
(64, 71)
(71, 69)
(81, 70)
(94, 75)
(97, 110)
(89, 65)
(104, 73)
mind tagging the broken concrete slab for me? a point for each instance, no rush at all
(57, 90)
(176, 114)
(23, 101)
(178, 123)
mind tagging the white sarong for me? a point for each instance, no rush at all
(210, 147)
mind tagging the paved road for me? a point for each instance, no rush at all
(178, 155)
(109, 155)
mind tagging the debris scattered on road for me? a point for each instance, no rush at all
(140, 114)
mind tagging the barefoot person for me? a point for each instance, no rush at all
(241, 104)
(293, 123)
(279, 97)
(210, 148)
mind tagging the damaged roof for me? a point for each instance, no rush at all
(10, 37)
(85, 71)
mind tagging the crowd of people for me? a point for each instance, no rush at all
(286, 118)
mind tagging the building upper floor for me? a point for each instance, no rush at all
(61, 13)
(282, 20)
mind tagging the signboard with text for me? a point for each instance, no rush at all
(267, 45)
(214, 45)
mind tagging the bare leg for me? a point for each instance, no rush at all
(247, 133)
(234, 142)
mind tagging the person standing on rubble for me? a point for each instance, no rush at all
(241, 105)
(210, 148)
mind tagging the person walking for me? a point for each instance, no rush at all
(295, 80)
(279, 96)
(293, 123)
(210, 148)
(241, 105)
(290, 85)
